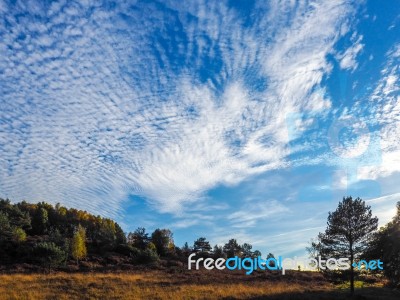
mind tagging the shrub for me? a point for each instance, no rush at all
(146, 256)
(19, 235)
(49, 255)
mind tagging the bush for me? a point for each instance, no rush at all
(18, 235)
(49, 255)
(146, 256)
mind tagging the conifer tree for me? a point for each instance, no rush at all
(349, 229)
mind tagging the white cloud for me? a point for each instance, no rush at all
(96, 106)
(249, 214)
(348, 59)
(386, 113)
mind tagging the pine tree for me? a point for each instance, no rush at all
(139, 238)
(350, 227)
(201, 245)
(232, 248)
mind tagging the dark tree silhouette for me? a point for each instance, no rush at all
(201, 245)
(349, 229)
(139, 238)
(232, 248)
(163, 241)
(246, 249)
(385, 245)
(218, 252)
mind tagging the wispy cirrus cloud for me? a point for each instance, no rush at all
(254, 211)
(163, 101)
(384, 111)
(348, 59)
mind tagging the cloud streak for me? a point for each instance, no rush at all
(162, 101)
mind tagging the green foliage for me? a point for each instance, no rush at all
(55, 236)
(146, 256)
(22, 222)
(16, 217)
(18, 235)
(78, 244)
(104, 233)
(107, 232)
(8, 232)
(139, 256)
(151, 247)
(120, 237)
(139, 238)
(39, 221)
(49, 255)
(163, 241)
(5, 227)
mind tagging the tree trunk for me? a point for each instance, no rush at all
(351, 269)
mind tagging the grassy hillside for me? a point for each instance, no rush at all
(181, 285)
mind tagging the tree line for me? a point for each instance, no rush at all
(54, 236)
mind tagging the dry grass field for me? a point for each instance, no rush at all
(181, 285)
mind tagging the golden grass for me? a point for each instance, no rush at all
(151, 285)
(146, 285)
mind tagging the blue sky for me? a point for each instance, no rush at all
(245, 119)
